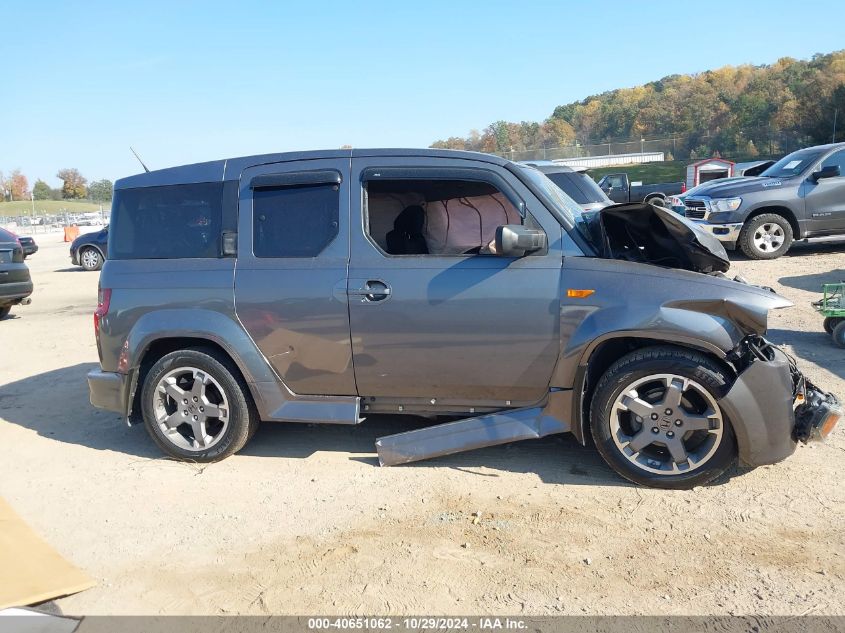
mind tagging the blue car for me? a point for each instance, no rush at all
(90, 250)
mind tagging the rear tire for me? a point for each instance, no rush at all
(196, 406)
(830, 323)
(766, 236)
(656, 421)
(4, 311)
(839, 334)
(659, 201)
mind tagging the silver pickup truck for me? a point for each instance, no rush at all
(326, 287)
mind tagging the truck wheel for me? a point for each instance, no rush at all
(839, 334)
(4, 311)
(766, 236)
(195, 406)
(656, 420)
(830, 323)
(660, 201)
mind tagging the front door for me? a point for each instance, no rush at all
(825, 200)
(435, 318)
(290, 277)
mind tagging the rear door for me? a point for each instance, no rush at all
(825, 200)
(290, 277)
(441, 323)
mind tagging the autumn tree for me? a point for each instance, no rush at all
(74, 184)
(19, 185)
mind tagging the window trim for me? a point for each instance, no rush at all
(375, 174)
(296, 178)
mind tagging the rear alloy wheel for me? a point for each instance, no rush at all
(90, 259)
(767, 236)
(656, 419)
(195, 406)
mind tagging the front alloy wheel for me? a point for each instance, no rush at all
(666, 424)
(656, 420)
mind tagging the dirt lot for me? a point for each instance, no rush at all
(304, 521)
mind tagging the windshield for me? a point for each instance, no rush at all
(793, 164)
(564, 206)
(579, 186)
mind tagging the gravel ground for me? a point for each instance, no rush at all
(303, 520)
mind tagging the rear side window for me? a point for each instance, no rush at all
(170, 222)
(294, 221)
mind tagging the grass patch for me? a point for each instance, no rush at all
(52, 207)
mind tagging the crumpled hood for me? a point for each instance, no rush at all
(654, 235)
(736, 188)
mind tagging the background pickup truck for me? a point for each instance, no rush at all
(801, 196)
(620, 189)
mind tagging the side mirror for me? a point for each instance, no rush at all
(831, 171)
(515, 240)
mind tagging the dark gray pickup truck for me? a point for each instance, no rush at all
(620, 189)
(801, 196)
(326, 287)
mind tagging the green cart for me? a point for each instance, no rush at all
(832, 306)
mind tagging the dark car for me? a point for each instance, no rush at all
(620, 189)
(323, 287)
(29, 246)
(90, 250)
(576, 184)
(801, 196)
(15, 282)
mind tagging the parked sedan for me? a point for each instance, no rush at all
(15, 282)
(90, 250)
(29, 246)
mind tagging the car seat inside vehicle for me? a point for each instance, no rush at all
(436, 217)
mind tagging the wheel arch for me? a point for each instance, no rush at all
(91, 245)
(160, 347)
(602, 354)
(780, 210)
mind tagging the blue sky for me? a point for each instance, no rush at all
(192, 81)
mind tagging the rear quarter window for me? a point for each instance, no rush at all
(169, 222)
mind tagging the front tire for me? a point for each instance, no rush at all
(766, 236)
(656, 421)
(195, 406)
(90, 259)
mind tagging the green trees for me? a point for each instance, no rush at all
(735, 110)
(100, 190)
(41, 190)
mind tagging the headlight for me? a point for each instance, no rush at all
(725, 204)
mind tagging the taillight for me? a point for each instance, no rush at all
(103, 300)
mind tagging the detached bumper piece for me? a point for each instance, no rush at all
(817, 415)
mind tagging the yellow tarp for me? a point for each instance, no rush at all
(30, 570)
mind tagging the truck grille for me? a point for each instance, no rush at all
(695, 209)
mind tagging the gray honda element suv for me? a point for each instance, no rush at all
(323, 287)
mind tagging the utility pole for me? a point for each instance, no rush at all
(835, 112)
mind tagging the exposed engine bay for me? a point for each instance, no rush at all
(650, 234)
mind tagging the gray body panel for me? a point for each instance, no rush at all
(458, 335)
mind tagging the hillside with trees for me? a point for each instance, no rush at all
(731, 111)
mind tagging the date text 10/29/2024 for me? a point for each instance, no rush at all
(418, 623)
